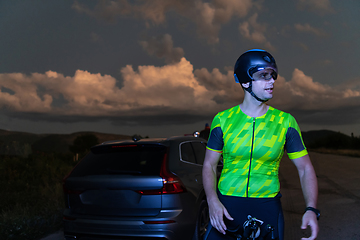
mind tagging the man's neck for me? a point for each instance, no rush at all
(253, 108)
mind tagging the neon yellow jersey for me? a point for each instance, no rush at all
(252, 149)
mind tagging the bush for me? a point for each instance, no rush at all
(31, 200)
(83, 143)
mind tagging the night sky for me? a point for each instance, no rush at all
(160, 68)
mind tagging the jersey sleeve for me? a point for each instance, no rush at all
(215, 142)
(294, 145)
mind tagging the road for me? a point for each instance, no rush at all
(339, 198)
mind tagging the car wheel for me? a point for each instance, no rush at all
(202, 221)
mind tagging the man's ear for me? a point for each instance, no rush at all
(245, 85)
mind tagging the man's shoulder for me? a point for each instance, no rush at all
(229, 110)
(278, 112)
(285, 117)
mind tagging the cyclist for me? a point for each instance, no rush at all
(252, 137)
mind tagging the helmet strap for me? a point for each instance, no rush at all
(249, 89)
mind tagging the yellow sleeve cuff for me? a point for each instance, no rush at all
(297, 154)
(218, 151)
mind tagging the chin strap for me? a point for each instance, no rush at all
(249, 89)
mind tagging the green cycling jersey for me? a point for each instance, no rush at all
(252, 149)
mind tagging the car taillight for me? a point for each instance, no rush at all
(67, 192)
(171, 182)
(123, 146)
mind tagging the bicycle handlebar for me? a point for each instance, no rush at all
(251, 230)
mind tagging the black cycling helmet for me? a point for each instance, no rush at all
(249, 63)
(252, 61)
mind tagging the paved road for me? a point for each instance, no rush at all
(339, 198)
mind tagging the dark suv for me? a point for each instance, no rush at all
(147, 189)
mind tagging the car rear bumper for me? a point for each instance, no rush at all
(86, 228)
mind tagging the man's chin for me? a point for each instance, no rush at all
(267, 98)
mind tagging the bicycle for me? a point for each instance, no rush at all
(251, 230)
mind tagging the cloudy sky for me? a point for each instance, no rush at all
(165, 67)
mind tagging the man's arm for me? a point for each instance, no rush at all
(216, 208)
(310, 190)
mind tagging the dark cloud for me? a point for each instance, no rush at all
(162, 47)
(318, 6)
(310, 29)
(207, 16)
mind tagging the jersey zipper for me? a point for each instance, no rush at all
(251, 153)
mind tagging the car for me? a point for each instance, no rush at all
(138, 189)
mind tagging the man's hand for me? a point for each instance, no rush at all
(217, 212)
(309, 219)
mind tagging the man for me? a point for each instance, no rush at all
(252, 138)
(205, 132)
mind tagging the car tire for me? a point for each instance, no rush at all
(202, 221)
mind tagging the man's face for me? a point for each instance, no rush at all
(263, 83)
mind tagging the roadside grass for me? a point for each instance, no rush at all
(31, 201)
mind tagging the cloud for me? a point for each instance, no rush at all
(302, 45)
(95, 37)
(303, 93)
(162, 47)
(149, 91)
(255, 32)
(106, 10)
(319, 6)
(172, 86)
(222, 87)
(207, 16)
(318, 104)
(309, 29)
(173, 93)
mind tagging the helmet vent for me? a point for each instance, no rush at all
(267, 59)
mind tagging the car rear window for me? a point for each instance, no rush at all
(121, 159)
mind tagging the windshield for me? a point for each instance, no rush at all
(121, 159)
